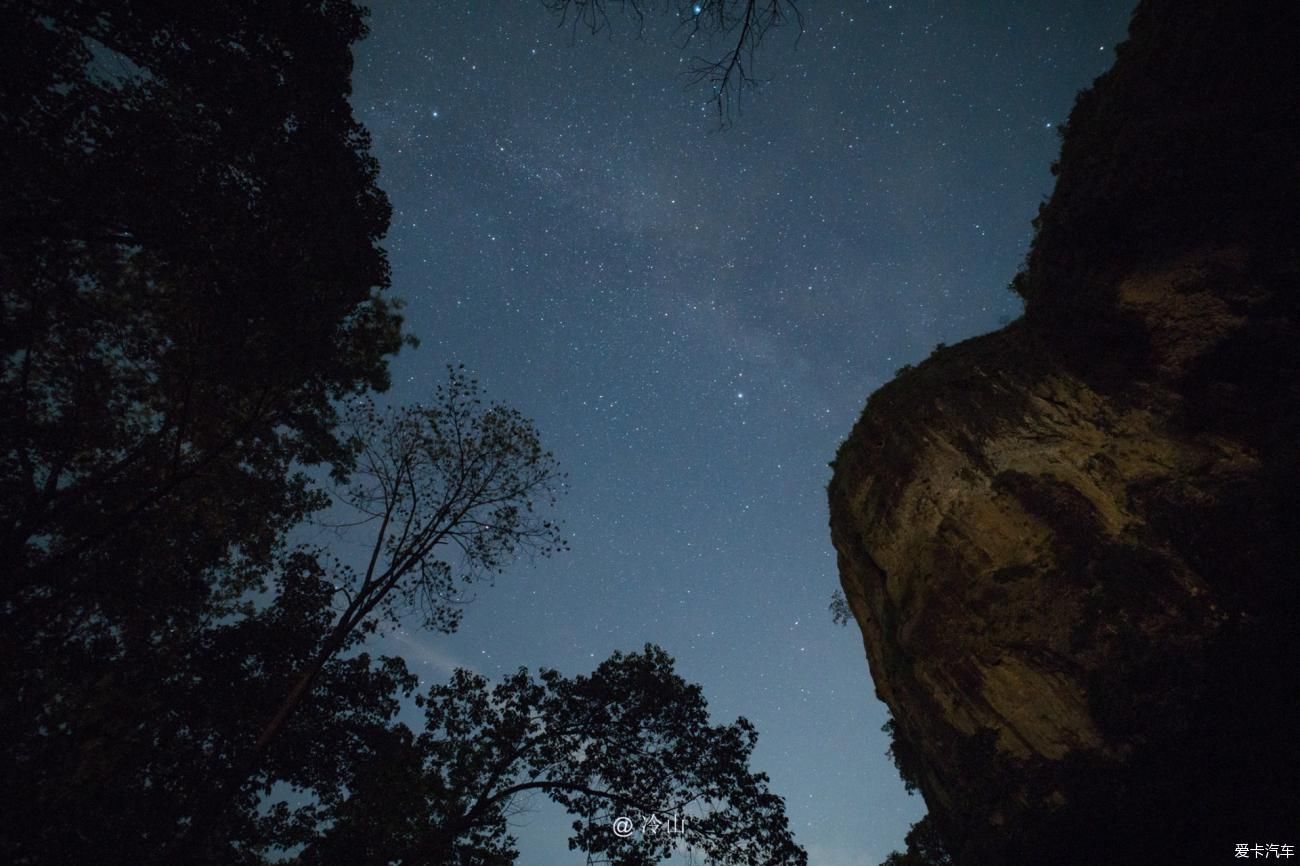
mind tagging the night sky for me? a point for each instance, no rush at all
(695, 318)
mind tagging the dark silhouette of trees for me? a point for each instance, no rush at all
(924, 847)
(190, 277)
(841, 613)
(454, 475)
(192, 317)
(741, 25)
(632, 740)
(451, 491)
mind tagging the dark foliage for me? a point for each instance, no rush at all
(189, 277)
(191, 315)
(906, 759)
(631, 740)
(187, 284)
(841, 613)
(924, 847)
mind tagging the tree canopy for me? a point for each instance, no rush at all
(193, 326)
(924, 847)
(191, 277)
(631, 741)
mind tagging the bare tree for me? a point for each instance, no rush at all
(742, 23)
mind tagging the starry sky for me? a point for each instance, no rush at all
(694, 318)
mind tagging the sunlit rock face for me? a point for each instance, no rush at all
(1072, 545)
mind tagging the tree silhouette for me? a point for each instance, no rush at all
(190, 278)
(453, 477)
(741, 24)
(924, 847)
(191, 308)
(631, 741)
(841, 613)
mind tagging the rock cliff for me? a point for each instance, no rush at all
(1072, 545)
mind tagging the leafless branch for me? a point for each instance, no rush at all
(744, 24)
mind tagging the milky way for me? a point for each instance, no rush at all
(695, 318)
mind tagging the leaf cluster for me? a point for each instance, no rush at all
(191, 276)
(924, 847)
(630, 739)
(457, 475)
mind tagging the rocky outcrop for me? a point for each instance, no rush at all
(1072, 545)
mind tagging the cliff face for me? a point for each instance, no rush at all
(1072, 545)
